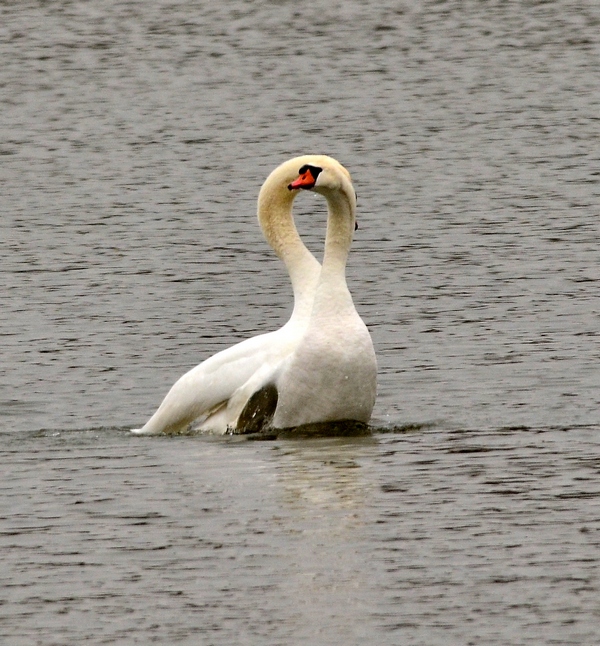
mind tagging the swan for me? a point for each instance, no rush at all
(331, 375)
(218, 390)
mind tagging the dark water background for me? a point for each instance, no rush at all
(134, 137)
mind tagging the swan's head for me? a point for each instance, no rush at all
(327, 176)
(318, 173)
(322, 174)
(311, 172)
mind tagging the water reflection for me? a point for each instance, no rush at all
(324, 496)
(324, 474)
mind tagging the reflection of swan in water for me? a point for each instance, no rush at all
(325, 474)
(317, 368)
(324, 514)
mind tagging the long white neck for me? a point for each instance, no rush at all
(276, 221)
(340, 230)
(332, 292)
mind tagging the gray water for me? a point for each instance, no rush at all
(134, 137)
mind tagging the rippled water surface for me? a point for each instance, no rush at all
(134, 137)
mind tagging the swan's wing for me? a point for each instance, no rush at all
(207, 389)
(253, 404)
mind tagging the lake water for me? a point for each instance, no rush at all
(134, 137)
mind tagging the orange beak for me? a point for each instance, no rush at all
(306, 180)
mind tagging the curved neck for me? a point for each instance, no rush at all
(277, 224)
(340, 231)
(332, 296)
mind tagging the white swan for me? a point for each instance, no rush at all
(321, 365)
(332, 373)
(217, 390)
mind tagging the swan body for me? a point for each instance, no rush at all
(216, 391)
